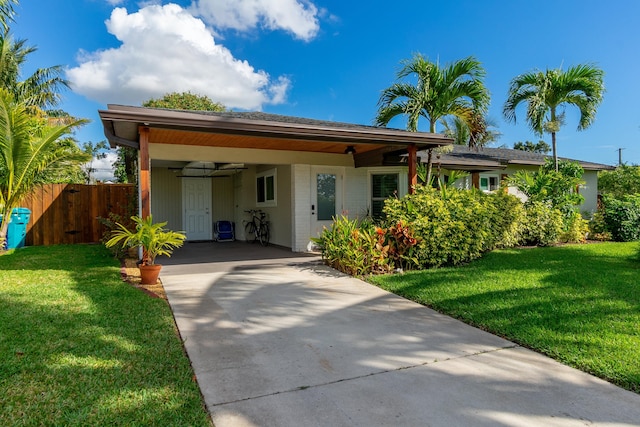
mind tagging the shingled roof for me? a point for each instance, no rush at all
(463, 157)
(278, 118)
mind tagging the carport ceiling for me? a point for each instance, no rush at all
(256, 130)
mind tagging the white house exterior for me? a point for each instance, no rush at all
(206, 167)
(489, 166)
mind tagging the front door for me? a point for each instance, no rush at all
(196, 203)
(326, 198)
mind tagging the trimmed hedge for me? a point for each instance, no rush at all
(450, 226)
(622, 217)
(542, 224)
(456, 226)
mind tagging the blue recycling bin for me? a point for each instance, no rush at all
(17, 231)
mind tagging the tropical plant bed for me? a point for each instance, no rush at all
(131, 274)
(579, 304)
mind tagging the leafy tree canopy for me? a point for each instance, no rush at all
(185, 101)
(540, 147)
(624, 180)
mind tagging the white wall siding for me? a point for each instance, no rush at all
(589, 191)
(356, 192)
(301, 206)
(166, 198)
(222, 199)
(279, 216)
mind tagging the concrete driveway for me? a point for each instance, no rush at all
(286, 341)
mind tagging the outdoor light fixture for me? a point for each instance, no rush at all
(350, 150)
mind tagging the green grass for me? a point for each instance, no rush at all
(79, 347)
(579, 304)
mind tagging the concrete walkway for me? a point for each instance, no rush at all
(286, 341)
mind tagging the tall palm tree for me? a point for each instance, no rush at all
(547, 93)
(28, 153)
(42, 89)
(437, 93)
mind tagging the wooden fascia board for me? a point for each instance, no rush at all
(214, 124)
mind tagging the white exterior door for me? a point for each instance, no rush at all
(196, 203)
(326, 197)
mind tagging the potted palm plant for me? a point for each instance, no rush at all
(154, 239)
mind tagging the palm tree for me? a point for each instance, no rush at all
(7, 12)
(28, 153)
(546, 92)
(39, 91)
(438, 92)
(472, 130)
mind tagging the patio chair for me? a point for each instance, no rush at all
(224, 231)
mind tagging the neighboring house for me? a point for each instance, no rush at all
(196, 168)
(489, 166)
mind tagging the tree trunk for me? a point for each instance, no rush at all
(429, 165)
(555, 153)
(3, 229)
(555, 126)
(432, 129)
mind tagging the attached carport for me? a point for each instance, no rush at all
(235, 139)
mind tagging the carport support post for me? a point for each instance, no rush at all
(413, 168)
(145, 173)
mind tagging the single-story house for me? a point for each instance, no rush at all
(196, 168)
(489, 166)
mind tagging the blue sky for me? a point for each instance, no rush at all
(330, 59)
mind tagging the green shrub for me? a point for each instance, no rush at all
(455, 226)
(622, 217)
(110, 223)
(575, 229)
(542, 226)
(355, 247)
(556, 188)
(622, 181)
(506, 220)
(597, 226)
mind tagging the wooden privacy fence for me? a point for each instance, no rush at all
(68, 213)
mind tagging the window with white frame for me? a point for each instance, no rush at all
(266, 185)
(489, 182)
(383, 186)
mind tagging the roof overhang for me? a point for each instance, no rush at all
(122, 123)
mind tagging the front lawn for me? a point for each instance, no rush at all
(579, 304)
(80, 347)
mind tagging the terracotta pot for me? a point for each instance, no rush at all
(149, 274)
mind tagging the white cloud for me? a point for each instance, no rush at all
(165, 49)
(299, 17)
(102, 169)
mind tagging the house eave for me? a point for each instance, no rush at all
(125, 121)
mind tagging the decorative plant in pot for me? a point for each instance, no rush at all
(154, 239)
